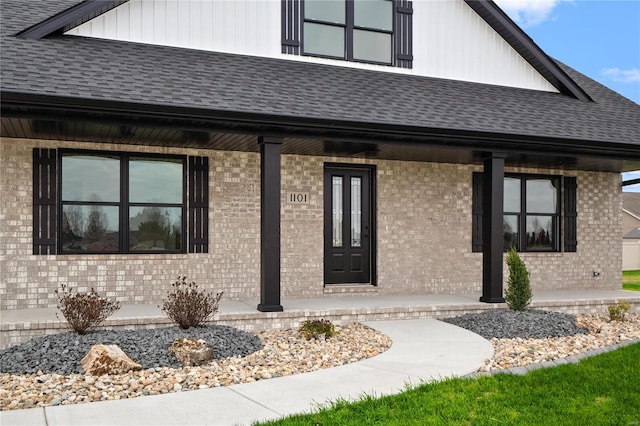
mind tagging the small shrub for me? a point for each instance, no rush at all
(518, 293)
(187, 306)
(313, 329)
(619, 311)
(84, 310)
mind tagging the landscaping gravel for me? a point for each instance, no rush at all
(528, 324)
(62, 353)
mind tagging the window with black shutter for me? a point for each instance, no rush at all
(370, 31)
(92, 202)
(532, 217)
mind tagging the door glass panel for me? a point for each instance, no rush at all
(511, 195)
(356, 212)
(90, 228)
(510, 231)
(155, 181)
(326, 40)
(374, 14)
(337, 210)
(542, 196)
(372, 46)
(155, 228)
(325, 10)
(540, 233)
(90, 178)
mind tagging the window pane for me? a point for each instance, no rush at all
(511, 195)
(356, 212)
(510, 227)
(90, 178)
(371, 46)
(155, 228)
(155, 181)
(542, 196)
(90, 228)
(540, 233)
(325, 10)
(337, 210)
(324, 40)
(374, 14)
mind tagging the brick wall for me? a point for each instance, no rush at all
(424, 234)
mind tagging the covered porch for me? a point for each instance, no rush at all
(19, 325)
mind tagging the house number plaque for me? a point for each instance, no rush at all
(298, 198)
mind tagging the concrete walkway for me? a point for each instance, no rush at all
(422, 350)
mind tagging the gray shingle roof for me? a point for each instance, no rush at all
(157, 75)
(631, 202)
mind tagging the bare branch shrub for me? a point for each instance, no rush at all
(84, 310)
(187, 306)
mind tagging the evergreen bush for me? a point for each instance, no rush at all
(317, 329)
(518, 294)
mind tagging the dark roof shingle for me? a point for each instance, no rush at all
(86, 68)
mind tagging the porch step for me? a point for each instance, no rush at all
(20, 325)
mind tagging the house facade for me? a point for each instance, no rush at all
(298, 148)
(630, 231)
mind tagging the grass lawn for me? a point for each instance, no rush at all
(600, 390)
(631, 280)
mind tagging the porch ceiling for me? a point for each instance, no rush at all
(435, 148)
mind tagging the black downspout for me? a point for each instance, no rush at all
(270, 224)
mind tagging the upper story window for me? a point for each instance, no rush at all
(370, 31)
(355, 30)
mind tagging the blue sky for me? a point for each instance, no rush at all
(599, 38)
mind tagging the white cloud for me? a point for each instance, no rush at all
(529, 13)
(623, 76)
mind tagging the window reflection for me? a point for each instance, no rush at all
(542, 196)
(510, 232)
(337, 210)
(376, 14)
(372, 46)
(511, 194)
(324, 40)
(325, 10)
(356, 212)
(540, 233)
(155, 181)
(155, 228)
(90, 178)
(90, 228)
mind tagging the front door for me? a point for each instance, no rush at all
(347, 225)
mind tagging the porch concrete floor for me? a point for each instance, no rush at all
(338, 303)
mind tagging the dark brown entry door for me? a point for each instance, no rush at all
(347, 225)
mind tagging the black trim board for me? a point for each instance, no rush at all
(526, 47)
(72, 17)
(15, 103)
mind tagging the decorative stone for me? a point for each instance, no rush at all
(191, 351)
(588, 324)
(107, 359)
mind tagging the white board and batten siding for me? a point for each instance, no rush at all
(449, 39)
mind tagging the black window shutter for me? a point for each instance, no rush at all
(570, 214)
(198, 205)
(476, 209)
(291, 21)
(44, 201)
(404, 33)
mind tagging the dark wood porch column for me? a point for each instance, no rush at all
(270, 224)
(492, 228)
